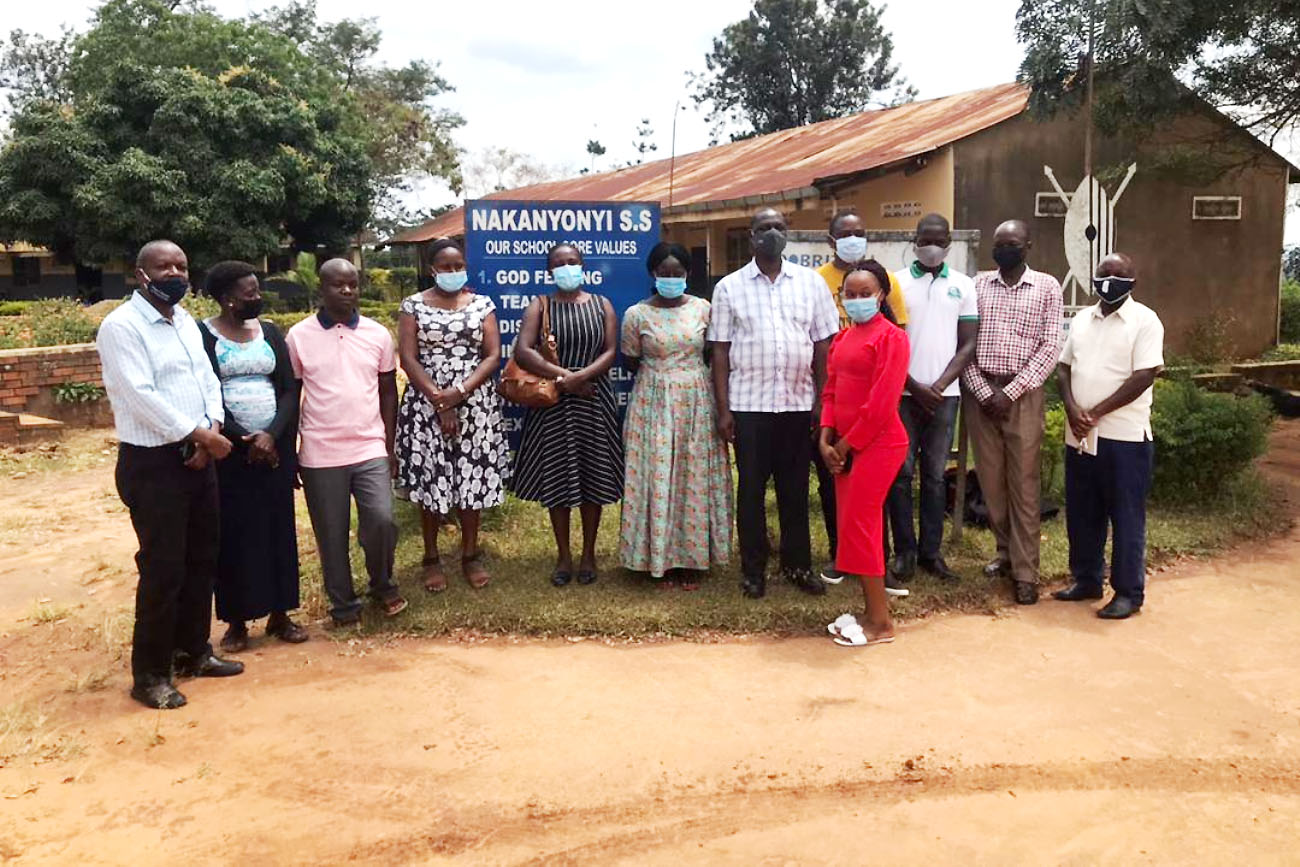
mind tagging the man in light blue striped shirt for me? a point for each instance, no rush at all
(167, 410)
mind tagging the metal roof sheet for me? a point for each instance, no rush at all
(786, 161)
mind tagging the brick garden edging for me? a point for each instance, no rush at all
(28, 378)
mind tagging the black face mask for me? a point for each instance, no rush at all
(1009, 257)
(769, 242)
(169, 290)
(1113, 289)
(248, 310)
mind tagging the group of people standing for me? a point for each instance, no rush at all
(850, 369)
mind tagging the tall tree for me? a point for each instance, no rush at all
(795, 62)
(1240, 56)
(493, 169)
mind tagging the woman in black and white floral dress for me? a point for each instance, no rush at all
(451, 444)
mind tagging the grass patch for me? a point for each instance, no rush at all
(48, 612)
(79, 449)
(520, 550)
(25, 733)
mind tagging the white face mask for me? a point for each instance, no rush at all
(931, 255)
(851, 248)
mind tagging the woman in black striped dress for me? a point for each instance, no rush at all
(571, 454)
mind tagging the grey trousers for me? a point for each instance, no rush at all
(329, 491)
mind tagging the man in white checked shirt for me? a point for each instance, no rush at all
(772, 322)
(168, 413)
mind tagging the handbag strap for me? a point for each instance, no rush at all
(546, 321)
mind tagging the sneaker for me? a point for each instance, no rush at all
(894, 588)
(831, 575)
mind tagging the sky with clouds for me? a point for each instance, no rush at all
(543, 78)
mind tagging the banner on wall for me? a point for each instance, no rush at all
(505, 249)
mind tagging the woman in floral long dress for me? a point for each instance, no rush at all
(677, 495)
(451, 444)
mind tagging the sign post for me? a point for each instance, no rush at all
(506, 243)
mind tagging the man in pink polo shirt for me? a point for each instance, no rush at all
(348, 369)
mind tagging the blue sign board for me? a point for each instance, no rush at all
(505, 248)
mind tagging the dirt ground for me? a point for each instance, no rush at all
(1040, 735)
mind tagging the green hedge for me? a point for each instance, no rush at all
(14, 308)
(52, 322)
(1290, 325)
(1204, 440)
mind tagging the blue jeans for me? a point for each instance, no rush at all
(930, 437)
(1109, 489)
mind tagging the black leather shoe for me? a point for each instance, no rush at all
(806, 581)
(1119, 608)
(938, 569)
(208, 665)
(903, 566)
(160, 695)
(1026, 593)
(1077, 592)
(754, 588)
(894, 588)
(996, 567)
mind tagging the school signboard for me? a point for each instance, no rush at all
(505, 248)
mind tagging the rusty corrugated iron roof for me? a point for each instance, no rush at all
(781, 162)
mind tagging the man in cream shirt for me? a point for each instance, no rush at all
(1111, 357)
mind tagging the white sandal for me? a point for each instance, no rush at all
(853, 636)
(837, 626)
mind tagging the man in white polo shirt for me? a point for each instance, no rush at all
(942, 329)
(771, 326)
(1112, 355)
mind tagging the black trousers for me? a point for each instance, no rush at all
(777, 446)
(176, 516)
(826, 493)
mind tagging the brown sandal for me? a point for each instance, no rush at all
(475, 573)
(434, 579)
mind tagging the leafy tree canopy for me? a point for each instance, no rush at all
(1240, 56)
(795, 62)
(228, 135)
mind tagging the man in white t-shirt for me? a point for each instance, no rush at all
(942, 326)
(1112, 355)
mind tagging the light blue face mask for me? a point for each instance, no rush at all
(670, 287)
(451, 282)
(851, 248)
(861, 309)
(568, 277)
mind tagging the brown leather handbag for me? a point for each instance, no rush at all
(528, 389)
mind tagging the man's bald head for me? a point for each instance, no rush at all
(1117, 265)
(337, 269)
(155, 250)
(160, 261)
(765, 218)
(1013, 229)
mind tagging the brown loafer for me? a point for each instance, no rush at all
(475, 572)
(435, 581)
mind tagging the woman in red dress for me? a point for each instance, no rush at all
(863, 442)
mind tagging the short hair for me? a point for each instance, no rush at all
(840, 215)
(560, 246)
(875, 269)
(223, 276)
(329, 266)
(753, 221)
(933, 220)
(664, 250)
(443, 244)
(150, 247)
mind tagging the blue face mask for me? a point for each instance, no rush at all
(568, 277)
(451, 282)
(851, 248)
(861, 309)
(670, 287)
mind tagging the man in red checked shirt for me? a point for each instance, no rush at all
(1019, 342)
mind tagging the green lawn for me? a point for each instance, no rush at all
(621, 604)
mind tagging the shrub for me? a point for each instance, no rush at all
(1204, 440)
(1209, 338)
(1052, 456)
(1290, 324)
(57, 322)
(14, 308)
(77, 392)
(405, 280)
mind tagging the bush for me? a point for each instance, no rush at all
(1209, 338)
(1204, 440)
(1052, 456)
(14, 308)
(57, 322)
(1290, 325)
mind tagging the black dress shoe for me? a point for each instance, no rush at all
(1077, 592)
(1026, 593)
(903, 566)
(996, 567)
(160, 695)
(939, 569)
(1119, 608)
(208, 665)
(806, 581)
(754, 588)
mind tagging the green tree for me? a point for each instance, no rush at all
(795, 62)
(644, 145)
(1151, 55)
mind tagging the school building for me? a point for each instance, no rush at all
(1200, 203)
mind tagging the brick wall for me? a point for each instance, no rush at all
(28, 377)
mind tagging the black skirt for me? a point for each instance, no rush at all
(257, 571)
